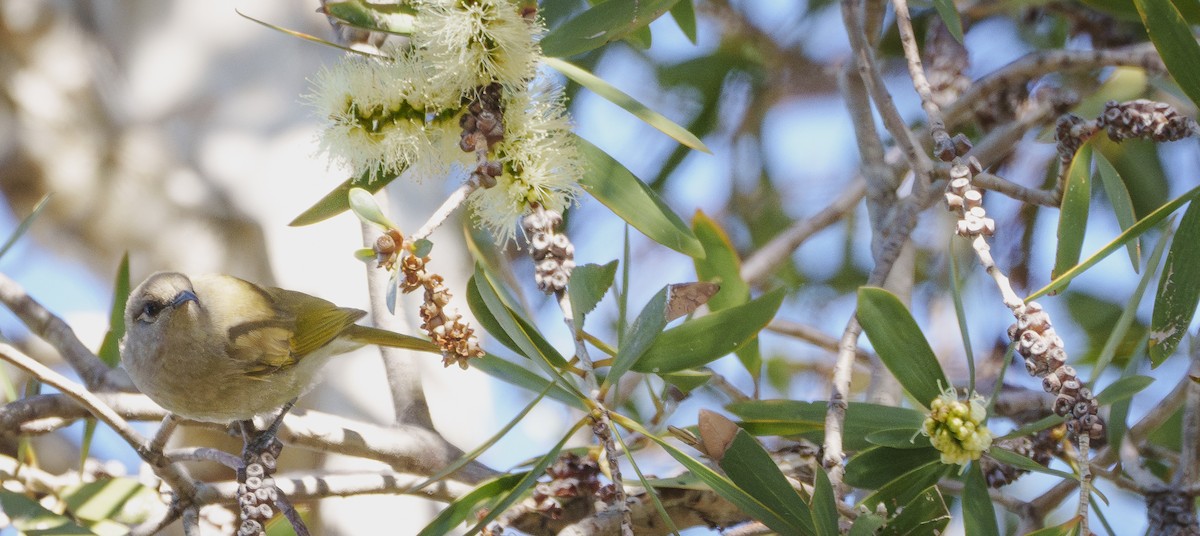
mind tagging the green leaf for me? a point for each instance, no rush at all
(875, 467)
(367, 209)
(723, 486)
(1120, 329)
(610, 93)
(463, 508)
(867, 524)
(483, 447)
(899, 438)
(1118, 196)
(523, 336)
(924, 514)
(519, 376)
(1123, 389)
(23, 227)
(979, 516)
(1138, 228)
(699, 341)
(753, 470)
(949, 14)
(824, 505)
(687, 380)
(654, 496)
(1178, 289)
(305, 36)
(1021, 462)
(589, 283)
(103, 499)
(646, 328)
(1069, 528)
(602, 24)
(1175, 43)
(527, 481)
(793, 417)
(630, 199)
(110, 353)
(684, 14)
(1072, 219)
(960, 313)
(906, 487)
(32, 519)
(720, 264)
(338, 201)
(900, 345)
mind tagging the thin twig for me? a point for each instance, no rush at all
(815, 337)
(448, 207)
(402, 371)
(864, 55)
(205, 454)
(1036, 64)
(95, 374)
(766, 259)
(908, 40)
(1032, 196)
(602, 426)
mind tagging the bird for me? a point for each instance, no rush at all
(216, 348)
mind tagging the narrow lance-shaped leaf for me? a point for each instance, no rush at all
(338, 201)
(924, 514)
(1073, 216)
(525, 483)
(23, 227)
(684, 14)
(753, 470)
(646, 328)
(722, 265)
(1138, 228)
(900, 344)
(979, 516)
(610, 93)
(824, 505)
(602, 24)
(699, 341)
(1178, 288)
(1122, 205)
(949, 14)
(1175, 42)
(630, 199)
(745, 501)
(463, 508)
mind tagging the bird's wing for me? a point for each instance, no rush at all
(317, 322)
(260, 341)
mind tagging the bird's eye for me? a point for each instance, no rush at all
(150, 311)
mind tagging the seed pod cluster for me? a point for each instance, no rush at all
(1171, 511)
(1145, 119)
(962, 197)
(444, 325)
(482, 128)
(1045, 358)
(1141, 118)
(552, 252)
(256, 490)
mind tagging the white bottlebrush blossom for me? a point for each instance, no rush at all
(476, 42)
(376, 111)
(541, 163)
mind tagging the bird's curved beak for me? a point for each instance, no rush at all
(183, 297)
